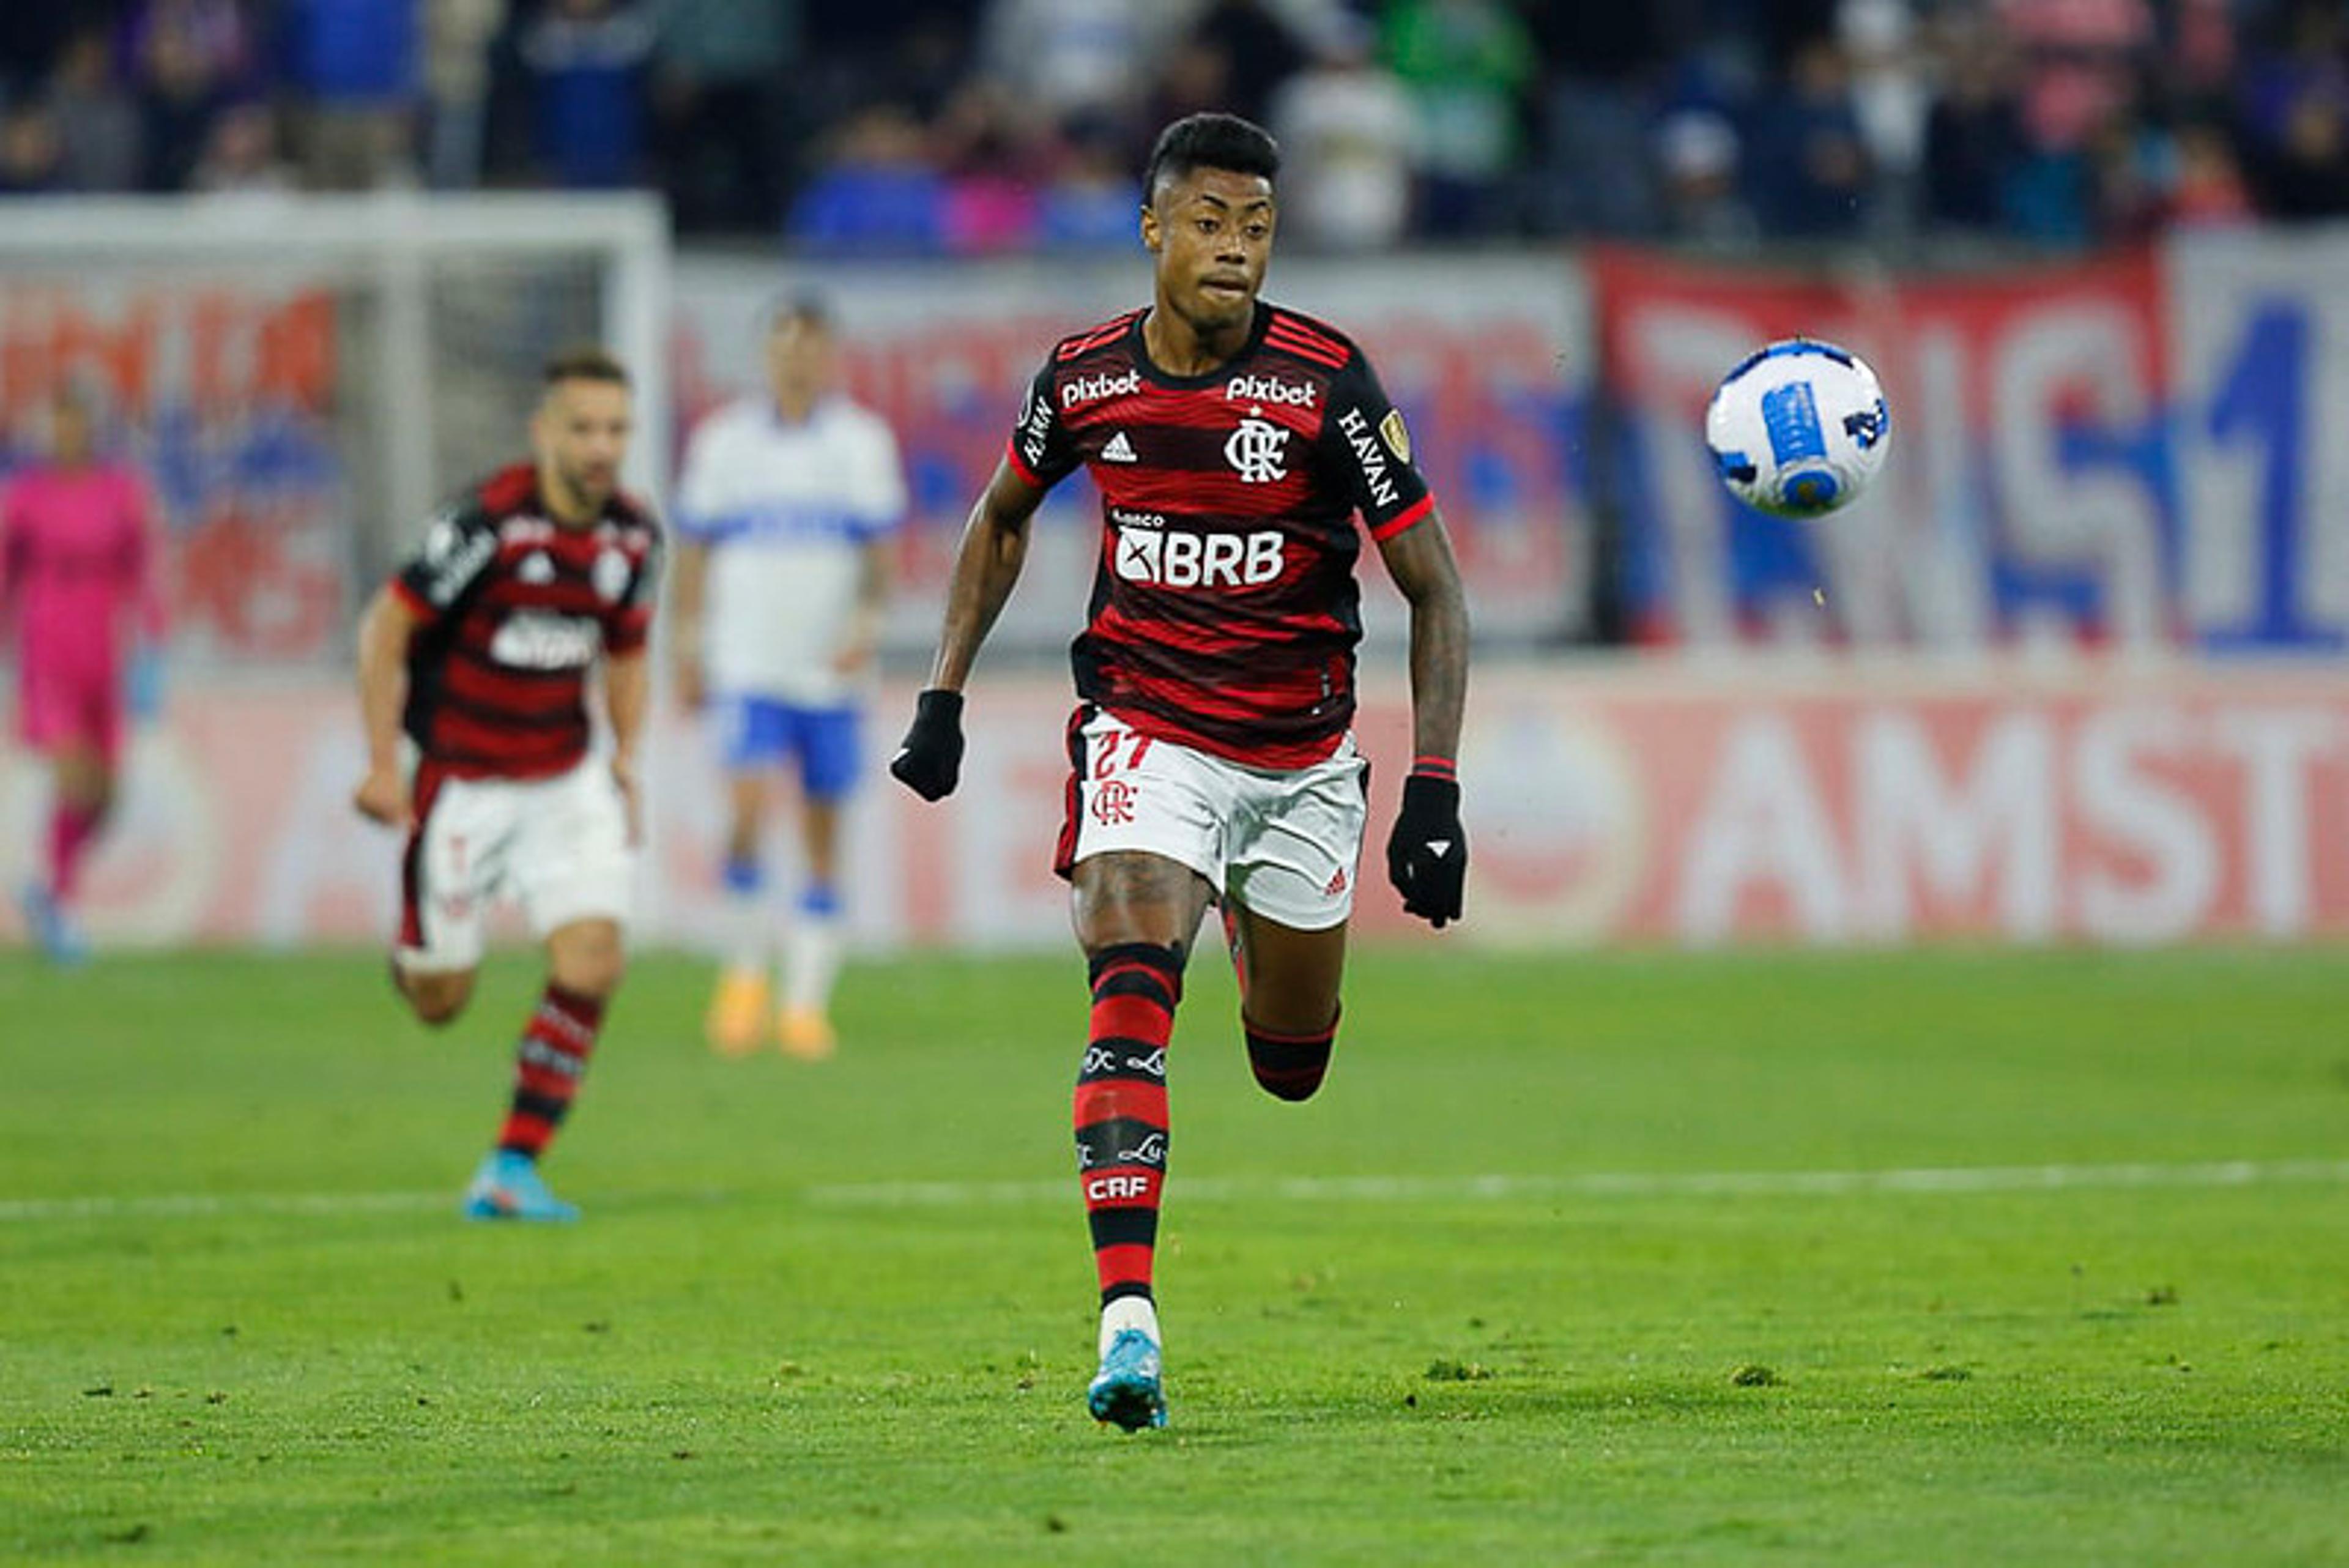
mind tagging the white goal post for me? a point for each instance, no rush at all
(322, 370)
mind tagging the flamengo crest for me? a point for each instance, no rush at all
(1258, 450)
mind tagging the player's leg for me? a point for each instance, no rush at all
(1142, 846)
(71, 715)
(453, 851)
(750, 740)
(1289, 988)
(827, 743)
(572, 866)
(1136, 915)
(1296, 844)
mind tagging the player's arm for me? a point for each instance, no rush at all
(1369, 451)
(628, 672)
(1420, 562)
(385, 631)
(1427, 851)
(689, 592)
(986, 567)
(628, 697)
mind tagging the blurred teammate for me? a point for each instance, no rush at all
(1233, 443)
(782, 569)
(480, 649)
(78, 578)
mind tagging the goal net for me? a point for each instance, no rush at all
(304, 379)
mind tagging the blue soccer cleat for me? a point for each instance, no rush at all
(57, 934)
(508, 1186)
(1126, 1389)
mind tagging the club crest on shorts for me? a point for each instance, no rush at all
(1112, 804)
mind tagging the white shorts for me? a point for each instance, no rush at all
(559, 846)
(1284, 845)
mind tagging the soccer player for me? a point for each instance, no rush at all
(1233, 443)
(78, 578)
(480, 649)
(785, 514)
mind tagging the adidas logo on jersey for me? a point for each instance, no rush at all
(1094, 389)
(1119, 449)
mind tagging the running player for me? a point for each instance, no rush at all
(480, 649)
(1233, 442)
(785, 514)
(79, 580)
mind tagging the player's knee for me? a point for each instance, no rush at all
(590, 964)
(437, 999)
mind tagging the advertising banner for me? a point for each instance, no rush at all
(2029, 494)
(223, 390)
(1488, 358)
(1654, 803)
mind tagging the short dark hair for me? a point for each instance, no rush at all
(803, 309)
(586, 363)
(1210, 141)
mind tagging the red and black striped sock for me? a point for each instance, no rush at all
(548, 1066)
(1288, 1066)
(1121, 1109)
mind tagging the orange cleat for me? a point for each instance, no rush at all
(737, 1024)
(806, 1034)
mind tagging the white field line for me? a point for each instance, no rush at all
(209, 1205)
(1368, 1190)
(1603, 1185)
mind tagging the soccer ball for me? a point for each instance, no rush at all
(1799, 429)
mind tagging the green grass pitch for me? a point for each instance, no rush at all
(1946, 1258)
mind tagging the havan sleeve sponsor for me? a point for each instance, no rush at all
(1367, 452)
(1043, 451)
(451, 562)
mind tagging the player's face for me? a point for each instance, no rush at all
(799, 361)
(581, 434)
(1211, 230)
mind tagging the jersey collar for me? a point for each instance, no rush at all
(1207, 378)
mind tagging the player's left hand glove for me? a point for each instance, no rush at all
(929, 759)
(1427, 853)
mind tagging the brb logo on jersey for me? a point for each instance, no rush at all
(534, 641)
(1151, 553)
(1258, 450)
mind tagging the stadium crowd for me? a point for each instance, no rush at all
(917, 126)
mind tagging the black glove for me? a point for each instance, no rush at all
(929, 759)
(1427, 853)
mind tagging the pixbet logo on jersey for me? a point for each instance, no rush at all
(1149, 551)
(1269, 390)
(1094, 389)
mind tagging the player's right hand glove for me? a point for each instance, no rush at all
(1427, 853)
(929, 759)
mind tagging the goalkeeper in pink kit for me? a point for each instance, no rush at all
(80, 604)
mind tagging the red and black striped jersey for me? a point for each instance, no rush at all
(515, 608)
(1224, 608)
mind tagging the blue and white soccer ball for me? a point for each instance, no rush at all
(1799, 429)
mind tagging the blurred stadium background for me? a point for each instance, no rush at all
(2071, 672)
